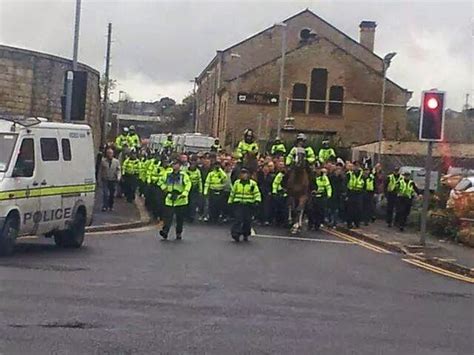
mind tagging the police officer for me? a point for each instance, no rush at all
(390, 188)
(133, 139)
(213, 190)
(121, 139)
(321, 192)
(301, 143)
(406, 191)
(216, 147)
(176, 187)
(368, 199)
(196, 188)
(326, 153)
(130, 169)
(153, 196)
(279, 195)
(278, 148)
(168, 145)
(247, 145)
(243, 197)
(355, 187)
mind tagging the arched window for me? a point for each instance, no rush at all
(299, 92)
(319, 82)
(336, 93)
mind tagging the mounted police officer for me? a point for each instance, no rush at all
(326, 153)
(247, 145)
(301, 143)
(216, 147)
(121, 139)
(168, 145)
(176, 187)
(278, 148)
(133, 139)
(244, 195)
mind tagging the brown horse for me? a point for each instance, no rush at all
(297, 185)
(249, 162)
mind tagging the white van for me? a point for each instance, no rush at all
(47, 181)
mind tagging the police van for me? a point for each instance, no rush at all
(47, 181)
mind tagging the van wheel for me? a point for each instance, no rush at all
(73, 237)
(8, 236)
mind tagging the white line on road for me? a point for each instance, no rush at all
(302, 239)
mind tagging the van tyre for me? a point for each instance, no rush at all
(8, 236)
(73, 237)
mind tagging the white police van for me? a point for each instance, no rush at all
(47, 181)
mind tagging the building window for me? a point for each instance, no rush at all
(319, 82)
(299, 93)
(336, 93)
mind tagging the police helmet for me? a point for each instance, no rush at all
(301, 137)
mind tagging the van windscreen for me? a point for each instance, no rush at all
(7, 143)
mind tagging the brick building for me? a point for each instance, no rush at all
(32, 83)
(240, 87)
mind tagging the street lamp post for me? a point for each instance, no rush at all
(195, 122)
(69, 75)
(281, 102)
(386, 64)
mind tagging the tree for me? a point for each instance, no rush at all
(112, 86)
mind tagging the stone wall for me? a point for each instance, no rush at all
(32, 83)
(358, 124)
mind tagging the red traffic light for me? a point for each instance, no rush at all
(432, 103)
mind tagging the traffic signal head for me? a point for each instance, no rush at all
(432, 115)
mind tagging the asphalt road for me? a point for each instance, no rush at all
(128, 293)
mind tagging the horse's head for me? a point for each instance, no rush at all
(300, 156)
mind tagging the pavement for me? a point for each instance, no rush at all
(126, 292)
(125, 215)
(447, 254)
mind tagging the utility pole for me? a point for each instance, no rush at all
(386, 64)
(195, 122)
(106, 87)
(70, 74)
(281, 102)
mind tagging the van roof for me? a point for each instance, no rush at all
(38, 123)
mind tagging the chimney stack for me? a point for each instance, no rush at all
(367, 34)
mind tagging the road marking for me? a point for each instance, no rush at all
(438, 270)
(357, 241)
(302, 239)
(123, 231)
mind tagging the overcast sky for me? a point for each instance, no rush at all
(160, 45)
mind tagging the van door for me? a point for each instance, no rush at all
(52, 176)
(25, 185)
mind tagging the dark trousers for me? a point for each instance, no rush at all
(354, 207)
(280, 209)
(242, 220)
(335, 210)
(154, 197)
(391, 203)
(368, 201)
(317, 212)
(169, 213)
(402, 211)
(108, 193)
(194, 199)
(265, 211)
(130, 187)
(215, 205)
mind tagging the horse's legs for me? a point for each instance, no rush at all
(290, 220)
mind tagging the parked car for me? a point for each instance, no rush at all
(462, 191)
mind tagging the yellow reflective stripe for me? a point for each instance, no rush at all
(46, 191)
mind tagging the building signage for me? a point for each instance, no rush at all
(257, 99)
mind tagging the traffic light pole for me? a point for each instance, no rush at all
(426, 193)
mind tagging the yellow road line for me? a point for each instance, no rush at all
(438, 270)
(357, 241)
(302, 239)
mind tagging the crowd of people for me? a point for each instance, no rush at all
(217, 186)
